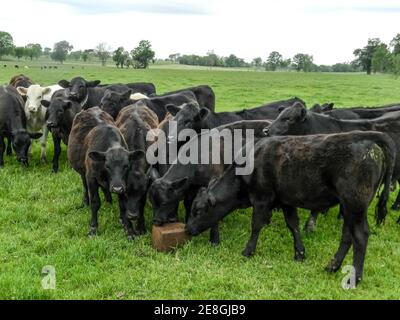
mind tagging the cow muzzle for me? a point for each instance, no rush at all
(117, 189)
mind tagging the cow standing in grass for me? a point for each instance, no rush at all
(36, 113)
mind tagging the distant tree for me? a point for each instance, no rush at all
(395, 44)
(19, 52)
(303, 62)
(102, 51)
(61, 50)
(6, 43)
(396, 64)
(86, 54)
(343, 67)
(257, 62)
(75, 55)
(234, 62)
(174, 57)
(47, 52)
(274, 61)
(143, 55)
(365, 55)
(120, 57)
(381, 59)
(33, 50)
(285, 64)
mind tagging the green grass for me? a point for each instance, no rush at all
(40, 224)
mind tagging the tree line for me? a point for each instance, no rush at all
(375, 57)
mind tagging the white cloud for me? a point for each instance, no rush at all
(329, 30)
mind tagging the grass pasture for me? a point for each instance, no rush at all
(40, 224)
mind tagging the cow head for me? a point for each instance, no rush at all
(289, 122)
(55, 111)
(164, 196)
(188, 116)
(21, 141)
(77, 88)
(34, 96)
(113, 102)
(116, 164)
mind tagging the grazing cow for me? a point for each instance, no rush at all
(16, 66)
(21, 81)
(182, 181)
(59, 118)
(309, 172)
(298, 121)
(13, 125)
(98, 152)
(205, 96)
(135, 123)
(190, 116)
(35, 112)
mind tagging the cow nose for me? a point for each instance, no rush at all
(132, 215)
(50, 124)
(118, 190)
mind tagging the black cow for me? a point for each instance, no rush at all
(59, 118)
(205, 96)
(145, 88)
(309, 172)
(113, 102)
(98, 152)
(13, 125)
(134, 124)
(298, 121)
(189, 116)
(88, 93)
(182, 181)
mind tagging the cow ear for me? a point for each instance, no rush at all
(46, 91)
(45, 103)
(64, 83)
(97, 156)
(179, 184)
(136, 155)
(35, 136)
(154, 174)
(173, 109)
(211, 200)
(126, 95)
(22, 91)
(92, 84)
(204, 113)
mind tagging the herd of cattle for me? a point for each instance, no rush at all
(304, 158)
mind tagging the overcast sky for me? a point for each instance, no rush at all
(329, 30)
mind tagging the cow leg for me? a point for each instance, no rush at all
(292, 222)
(107, 195)
(43, 143)
(95, 205)
(341, 213)
(188, 202)
(9, 147)
(396, 204)
(261, 216)
(311, 222)
(2, 149)
(344, 247)
(57, 152)
(141, 223)
(360, 234)
(85, 200)
(130, 232)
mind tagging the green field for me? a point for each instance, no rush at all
(40, 224)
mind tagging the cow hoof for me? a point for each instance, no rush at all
(248, 253)
(310, 227)
(300, 257)
(131, 237)
(396, 207)
(141, 232)
(332, 268)
(215, 243)
(55, 171)
(43, 160)
(92, 233)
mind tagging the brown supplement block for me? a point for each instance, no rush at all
(169, 237)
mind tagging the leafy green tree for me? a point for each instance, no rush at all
(274, 61)
(61, 50)
(381, 59)
(75, 55)
(47, 52)
(86, 54)
(285, 64)
(257, 62)
(395, 44)
(234, 62)
(19, 52)
(365, 55)
(33, 50)
(6, 43)
(303, 62)
(120, 57)
(396, 64)
(143, 55)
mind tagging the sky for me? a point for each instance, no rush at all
(329, 30)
